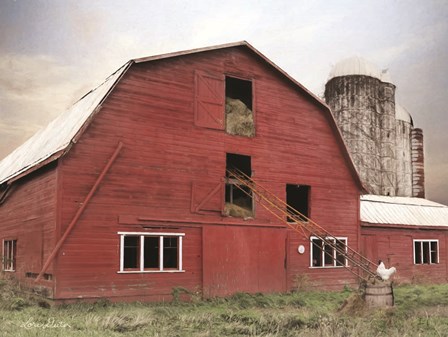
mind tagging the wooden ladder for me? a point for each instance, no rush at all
(356, 263)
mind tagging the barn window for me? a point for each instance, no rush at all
(150, 252)
(238, 198)
(329, 252)
(239, 107)
(9, 255)
(426, 251)
(297, 197)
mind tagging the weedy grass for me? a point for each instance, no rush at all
(419, 311)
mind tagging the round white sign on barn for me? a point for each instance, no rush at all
(301, 249)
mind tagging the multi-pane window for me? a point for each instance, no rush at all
(9, 255)
(150, 252)
(426, 251)
(329, 252)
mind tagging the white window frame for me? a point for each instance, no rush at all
(335, 265)
(142, 236)
(9, 266)
(421, 251)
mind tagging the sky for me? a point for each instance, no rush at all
(54, 51)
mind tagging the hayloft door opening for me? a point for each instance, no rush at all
(238, 199)
(239, 107)
(297, 197)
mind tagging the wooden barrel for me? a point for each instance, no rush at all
(379, 295)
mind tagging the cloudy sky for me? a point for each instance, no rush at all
(54, 51)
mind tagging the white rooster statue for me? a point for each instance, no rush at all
(383, 272)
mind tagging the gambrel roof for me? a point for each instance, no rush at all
(56, 138)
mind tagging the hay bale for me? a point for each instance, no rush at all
(237, 211)
(239, 118)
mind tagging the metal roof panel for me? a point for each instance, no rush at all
(57, 135)
(378, 209)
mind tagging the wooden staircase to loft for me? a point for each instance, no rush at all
(356, 263)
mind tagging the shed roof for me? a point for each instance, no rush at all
(55, 139)
(377, 209)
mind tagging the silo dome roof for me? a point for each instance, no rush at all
(358, 66)
(402, 114)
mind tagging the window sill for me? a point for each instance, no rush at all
(149, 271)
(426, 264)
(9, 271)
(326, 267)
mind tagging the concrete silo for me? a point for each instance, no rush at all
(404, 146)
(377, 130)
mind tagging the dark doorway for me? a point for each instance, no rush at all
(238, 198)
(297, 197)
(239, 112)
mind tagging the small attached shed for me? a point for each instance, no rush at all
(410, 234)
(125, 195)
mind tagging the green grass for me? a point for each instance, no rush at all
(419, 311)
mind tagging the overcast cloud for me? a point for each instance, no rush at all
(53, 52)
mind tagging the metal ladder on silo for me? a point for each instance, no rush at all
(356, 263)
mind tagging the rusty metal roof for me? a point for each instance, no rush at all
(55, 138)
(377, 209)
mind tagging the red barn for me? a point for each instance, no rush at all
(125, 195)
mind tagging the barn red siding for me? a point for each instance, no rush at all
(165, 154)
(395, 247)
(243, 258)
(28, 215)
(89, 266)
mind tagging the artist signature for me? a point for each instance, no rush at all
(51, 323)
